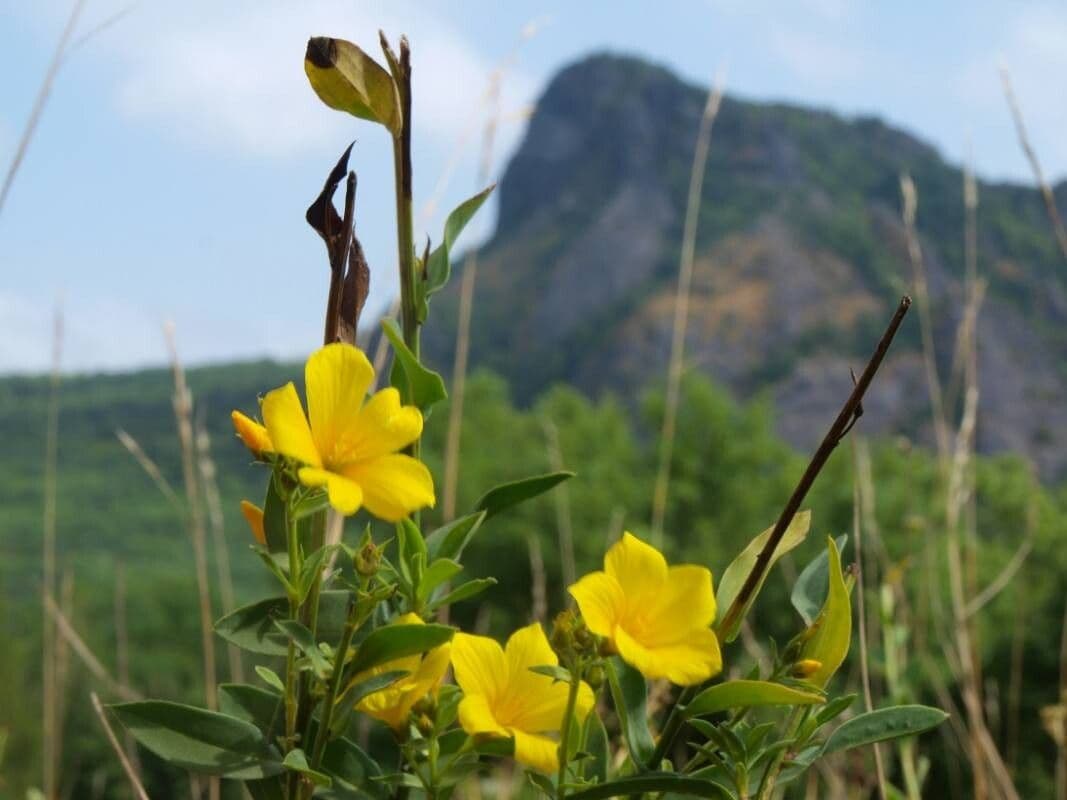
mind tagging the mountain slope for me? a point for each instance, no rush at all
(800, 259)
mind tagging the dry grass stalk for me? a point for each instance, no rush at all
(538, 592)
(122, 650)
(149, 466)
(39, 103)
(84, 654)
(681, 309)
(865, 675)
(49, 715)
(562, 501)
(183, 415)
(1031, 155)
(217, 526)
(921, 293)
(62, 655)
(127, 767)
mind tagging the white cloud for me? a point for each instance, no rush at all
(817, 58)
(233, 80)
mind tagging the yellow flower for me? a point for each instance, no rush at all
(254, 516)
(503, 697)
(350, 447)
(656, 616)
(392, 705)
(254, 435)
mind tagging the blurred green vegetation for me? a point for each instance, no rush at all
(731, 475)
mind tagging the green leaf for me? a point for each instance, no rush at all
(834, 708)
(809, 592)
(598, 746)
(275, 568)
(252, 704)
(312, 569)
(463, 592)
(352, 770)
(270, 677)
(420, 386)
(743, 694)
(200, 741)
(391, 642)
(375, 683)
(274, 518)
(511, 494)
(296, 761)
(439, 572)
(252, 627)
(630, 695)
(556, 673)
(831, 633)
(449, 540)
(347, 79)
(304, 639)
(266, 789)
(652, 782)
(884, 724)
(734, 577)
(542, 783)
(439, 264)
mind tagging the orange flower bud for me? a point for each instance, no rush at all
(254, 515)
(254, 435)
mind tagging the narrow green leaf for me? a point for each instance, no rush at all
(832, 630)
(734, 576)
(553, 671)
(630, 695)
(834, 708)
(541, 783)
(275, 568)
(744, 694)
(419, 386)
(439, 264)
(652, 782)
(356, 691)
(297, 761)
(449, 540)
(347, 79)
(304, 639)
(200, 741)
(598, 746)
(274, 518)
(809, 592)
(883, 724)
(270, 677)
(391, 642)
(463, 592)
(439, 572)
(252, 704)
(506, 495)
(252, 627)
(353, 770)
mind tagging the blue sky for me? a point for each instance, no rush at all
(169, 175)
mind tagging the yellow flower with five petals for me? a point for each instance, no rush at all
(656, 616)
(502, 696)
(348, 445)
(392, 705)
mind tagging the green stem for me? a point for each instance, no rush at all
(565, 730)
(675, 720)
(770, 777)
(291, 690)
(336, 678)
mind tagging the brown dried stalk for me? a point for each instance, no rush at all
(561, 498)
(149, 466)
(681, 309)
(82, 651)
(127, 767)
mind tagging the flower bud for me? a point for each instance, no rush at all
(367, 560)
(423, 724)
(253, 514)
(806, 667)
(595, 676)
(254, 435)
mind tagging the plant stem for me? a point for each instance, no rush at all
(770, 777)
(291, 699)
(336, 678)
(674, 723)
(565, 729)
(849, 413)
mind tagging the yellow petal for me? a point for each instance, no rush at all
(337, 378)
(346, 496)
(538, 752)
(382, 427)
(254, 516)
(288, 427)
(686, 601)
(601, 601)
(639, 568)
(393, 486)
(685, 663)
(254, 435)
(476, 716)
(481, 668)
